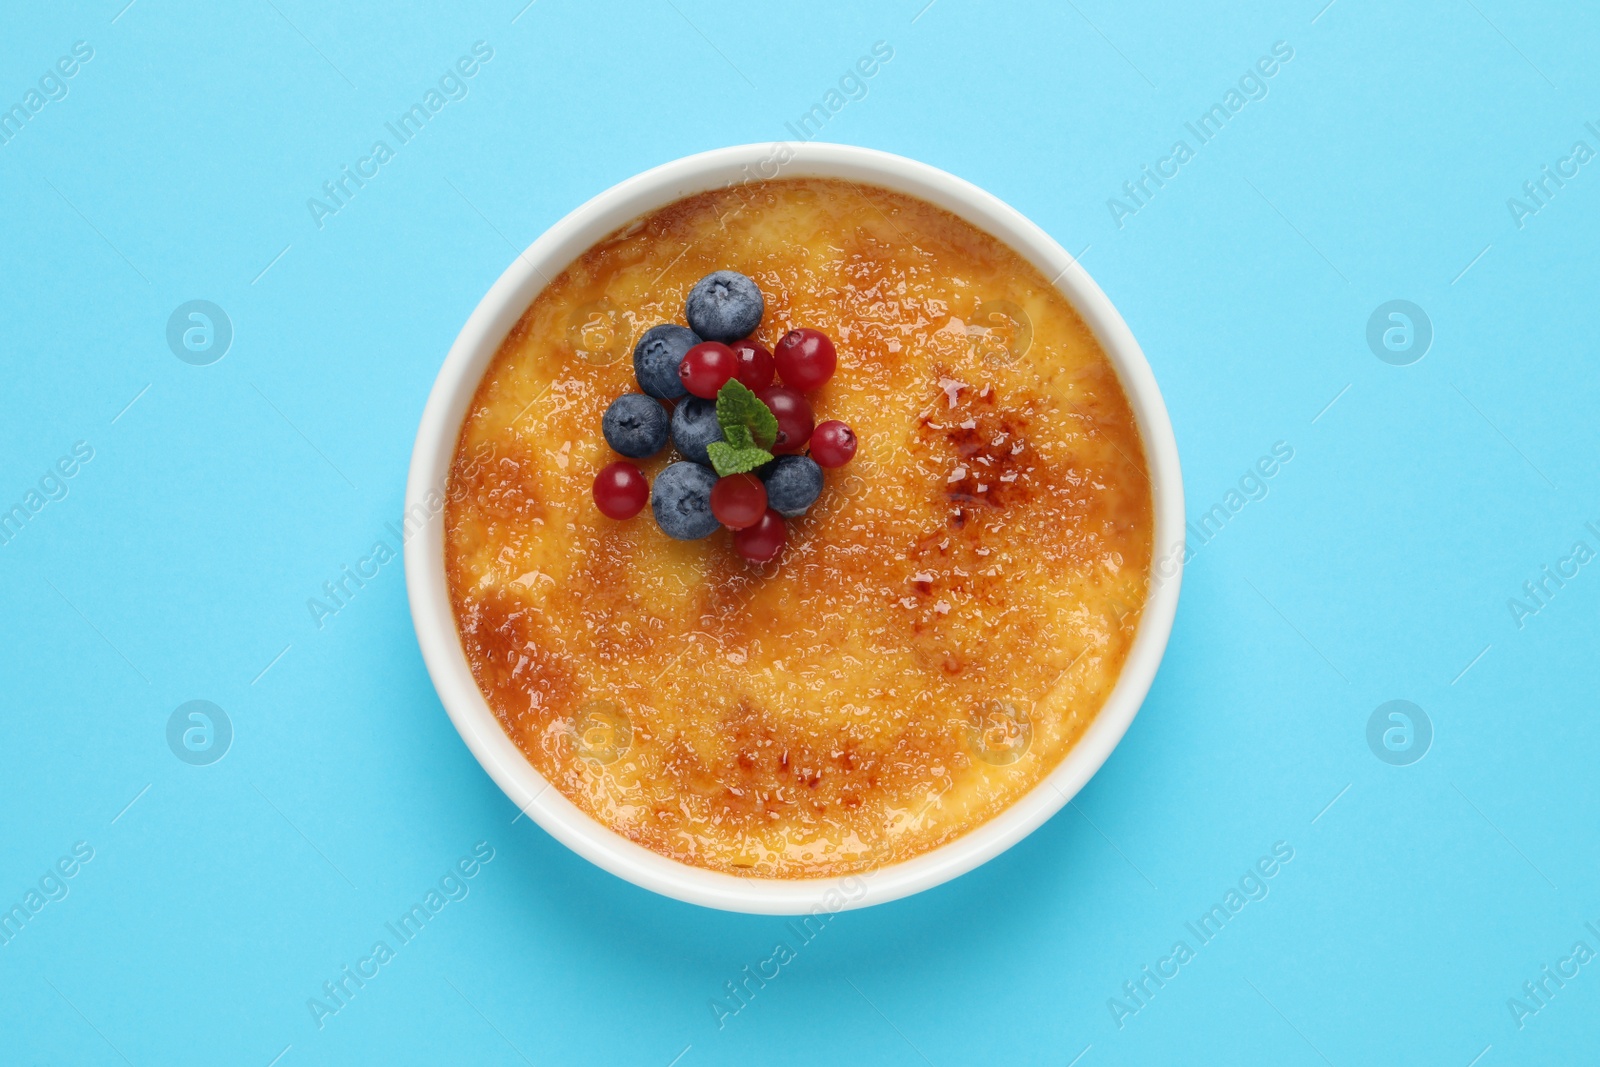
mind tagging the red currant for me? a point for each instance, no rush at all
(755, 363)
(739, 500)
(793, 415)
(762, 541)
(833, 444)
(805, 358)
(707, 367)
(621, 490)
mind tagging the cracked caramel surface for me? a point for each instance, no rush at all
(945, 621)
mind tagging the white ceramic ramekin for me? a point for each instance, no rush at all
(441, 425)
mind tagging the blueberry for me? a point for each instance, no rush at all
(656, 358)
(694, 425)
(793, 484)
(724, 306)
(635, 425)
(681, 500)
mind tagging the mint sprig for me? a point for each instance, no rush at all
(749, 429)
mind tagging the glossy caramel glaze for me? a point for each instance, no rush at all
(944, 623)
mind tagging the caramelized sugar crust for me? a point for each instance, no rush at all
(945, 622)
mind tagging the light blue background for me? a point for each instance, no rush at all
(1379, 567)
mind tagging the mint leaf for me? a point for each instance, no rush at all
(740, 409)
(748, 431)
(727, 459)
(738, 437)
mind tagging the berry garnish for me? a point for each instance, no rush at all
(706, 367)
(793, 414)
(694, 426)
(635, 425)
(793, 484)
(620, 490)
(681, 501)
(741, 433)
(762, 541)
(739, 500)
(724, 306)
(755, 363)
(805, 358)
(656, 358)
(833, 444)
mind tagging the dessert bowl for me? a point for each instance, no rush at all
(451, 399)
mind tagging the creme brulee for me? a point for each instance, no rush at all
(945, 621)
